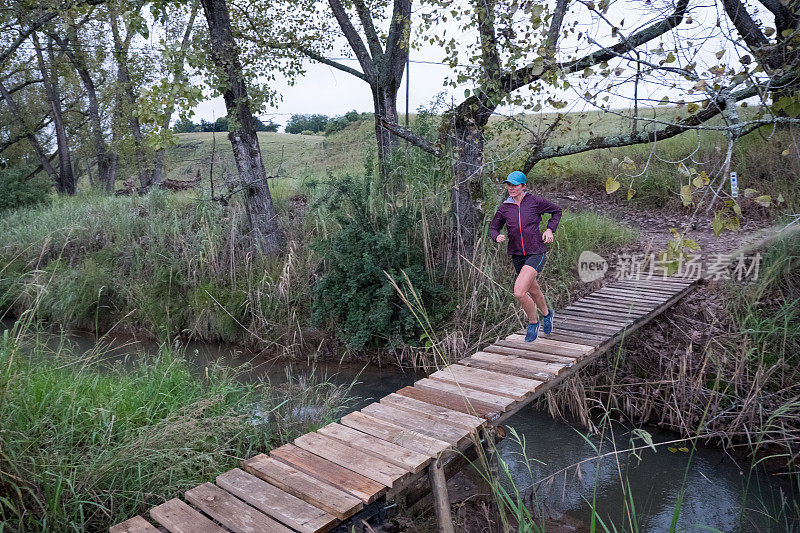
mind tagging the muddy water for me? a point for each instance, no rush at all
(719, 493)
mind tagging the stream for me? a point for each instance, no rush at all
(719, 492)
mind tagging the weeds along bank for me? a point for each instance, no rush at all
(86, 444)
(169, 264)
(722, 366)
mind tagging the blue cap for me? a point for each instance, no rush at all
(516, 178)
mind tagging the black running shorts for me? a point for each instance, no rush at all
(536, 261)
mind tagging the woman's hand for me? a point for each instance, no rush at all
(547, 236)
(501, 238)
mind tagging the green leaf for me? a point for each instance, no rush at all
(737, 208)
(670, 58)
(718, 224)
(612, 185)
(631, 192)
(748, 192)
(692, 108)
(698, 181)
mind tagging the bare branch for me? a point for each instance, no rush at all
(714, 107)
(373, 40)
(354, 40)
(417, 140)
(513, 80)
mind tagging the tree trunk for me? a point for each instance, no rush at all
(65, 181)
(246, 151)
(467, 143)
(126, 86)
(385, 102)
(177, 75)
(72, 47)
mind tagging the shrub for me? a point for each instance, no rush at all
(353, 293)
(16, 191)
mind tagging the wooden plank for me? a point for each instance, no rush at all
(456, 418)
(353, 458)
(511, 348)
(392, 453)
(565, 347)
(455, 402)
(232, 512)
(413, 440)
(342, 478)
(178, 517)
(588, 319)
(603, 303)
(602, 311)
(633, 294)
(652, 284)
(559, 352)
(565, 336)
(493, 382)
(611, 303)
(137, 524)
(612, 320)
(569, 325)
(507, 368)
(438, 429)
(606, 308)
(299, 484)
(282, 506)
(522, 363)
(623, 300)
(500, 403)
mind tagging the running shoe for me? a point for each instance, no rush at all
(547, 322)
(532, 333)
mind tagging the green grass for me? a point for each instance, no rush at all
(87, 444)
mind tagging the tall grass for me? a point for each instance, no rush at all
(86, 444)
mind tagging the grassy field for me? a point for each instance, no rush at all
(765, 160)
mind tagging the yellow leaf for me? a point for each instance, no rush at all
(785, 152)
(612, 185)
(763, 200)
(698, 181)
(686, 195)
(683, 449)
(673, 450)
(692, 108)
(631, 193)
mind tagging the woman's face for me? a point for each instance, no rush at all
(514, 190)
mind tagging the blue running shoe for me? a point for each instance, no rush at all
(547, 322)
(532, 333)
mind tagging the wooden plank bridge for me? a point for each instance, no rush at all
(348, 470)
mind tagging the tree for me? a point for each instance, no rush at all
(246, 151)
(304, 29)
(66, 182)
(511, 59)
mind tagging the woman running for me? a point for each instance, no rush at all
(521, 213)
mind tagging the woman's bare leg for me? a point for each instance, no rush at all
(537, 295)
(522, 287)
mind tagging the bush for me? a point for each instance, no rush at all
(353, 293)
(336, 125)
(16, 191)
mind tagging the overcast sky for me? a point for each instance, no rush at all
(329, 91)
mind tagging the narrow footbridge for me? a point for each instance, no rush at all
(401, 445)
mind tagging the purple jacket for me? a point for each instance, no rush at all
(523, 223)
